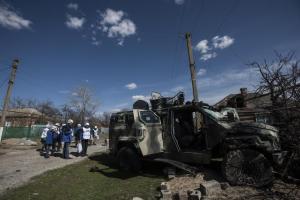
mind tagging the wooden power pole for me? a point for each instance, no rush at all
(8, 94)
(192, 66)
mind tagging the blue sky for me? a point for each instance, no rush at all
(125, 49)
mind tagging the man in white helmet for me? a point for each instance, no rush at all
(67, 138)
(43, 138)
(86, 135)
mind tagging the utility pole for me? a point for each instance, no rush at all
(192, 66)
(8, 93)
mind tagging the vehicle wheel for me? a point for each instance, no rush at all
(129, 160)
(247, 167)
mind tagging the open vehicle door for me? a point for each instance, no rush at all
(149, 131)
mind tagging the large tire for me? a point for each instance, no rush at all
(247, 167)
(129, 160)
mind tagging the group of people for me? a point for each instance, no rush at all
(55, 136)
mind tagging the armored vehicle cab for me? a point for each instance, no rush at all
(195, 133)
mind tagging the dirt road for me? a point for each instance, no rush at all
(19, 166)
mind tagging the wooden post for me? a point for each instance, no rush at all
(8, 94)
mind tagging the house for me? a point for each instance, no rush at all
(22, 117)
(250, 106)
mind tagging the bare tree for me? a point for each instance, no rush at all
(84, 103)
(281, 79)
(105, 118)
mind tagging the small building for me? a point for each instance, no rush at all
(22, 117)
(250, 107)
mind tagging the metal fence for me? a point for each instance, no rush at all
(23, 132)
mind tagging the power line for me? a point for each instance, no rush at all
(179, 26)
(226, 17)
(198, 16)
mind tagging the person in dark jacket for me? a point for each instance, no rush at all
(49, 140)
(59, 138)
(55, 142)
(78, 138)
(67, 138)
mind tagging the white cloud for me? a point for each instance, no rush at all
(202, 46)
(234, 77)
(75, 22)
(179, 2)
(208, 51)
(141, 97)
(201, 72)
(111, 17)
(222, 42)
(115, 25)
(123, 29)
(208, 56)
(96, 43)
(131, 86)
(11, 19)
(72, 6)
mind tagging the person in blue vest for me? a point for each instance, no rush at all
(49, 140)
(67, 132)
(86, 136)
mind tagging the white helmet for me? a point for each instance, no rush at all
(57, 124)
(70, 121)
(78, 125)
(96, 127)
(87, 124)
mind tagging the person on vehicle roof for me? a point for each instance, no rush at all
(67, 131)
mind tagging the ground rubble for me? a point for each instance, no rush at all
(187, 187)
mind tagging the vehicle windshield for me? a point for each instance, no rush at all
(149, 117)
(216, 115)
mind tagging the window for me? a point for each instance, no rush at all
(149, 117)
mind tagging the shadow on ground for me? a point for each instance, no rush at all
(109, 168)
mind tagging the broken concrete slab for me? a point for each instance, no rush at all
(209, 188)
(166, 195)
(194, 195)
(164, 186)
(224, 185)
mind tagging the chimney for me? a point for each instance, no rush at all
(244, 91)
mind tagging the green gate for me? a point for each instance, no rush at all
(23, 132)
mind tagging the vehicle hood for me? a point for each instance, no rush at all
(253, 128)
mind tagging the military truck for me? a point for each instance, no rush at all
(194, 133)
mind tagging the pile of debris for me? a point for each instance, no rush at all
(187, 187)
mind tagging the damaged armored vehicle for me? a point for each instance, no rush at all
(182, 133)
